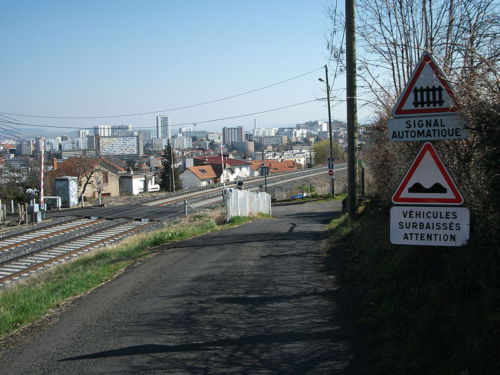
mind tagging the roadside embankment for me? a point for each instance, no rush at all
(415, 310)
(31, 299)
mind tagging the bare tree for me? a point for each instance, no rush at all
(462, 36)
(87, 170)
(392, 34)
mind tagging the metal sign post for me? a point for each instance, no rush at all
(331, 173)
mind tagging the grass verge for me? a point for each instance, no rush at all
(27, 301)
(415, 310)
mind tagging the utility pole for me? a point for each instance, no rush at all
(352, 115)
(42, 162)
(222, 165)
(264, 169)
(330, 135)
(172, 166)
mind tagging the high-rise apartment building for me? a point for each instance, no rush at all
(182, 143)
(162, 127)
(24, 148)
(264, 132)
(121, 130)
(83, 133)
(121, 146)
(185, 129)
(91, 142)
(102, 130)
(230, 135)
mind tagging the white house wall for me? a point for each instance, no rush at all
(190, 180)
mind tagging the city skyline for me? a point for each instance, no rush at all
(117, 58)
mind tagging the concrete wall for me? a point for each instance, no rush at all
(246, 203)
(189, 180)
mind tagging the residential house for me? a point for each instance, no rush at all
(139, 182)
(95, 175)
(234, 168)
(198, 176)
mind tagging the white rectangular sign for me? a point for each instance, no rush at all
(426, 128)
(430, 226)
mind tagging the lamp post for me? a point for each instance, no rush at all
(330, 136)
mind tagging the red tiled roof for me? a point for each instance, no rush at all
(275, 166)
(113, 164)
(217, 160)
(80, 167)
(203, 172)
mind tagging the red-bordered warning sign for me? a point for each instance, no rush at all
(427, 182)
(428, 91)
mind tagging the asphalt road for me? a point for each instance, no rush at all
(256, 299)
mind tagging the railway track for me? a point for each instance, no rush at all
(12, 241)
(250, 183)
(22, 254)
(25, 265)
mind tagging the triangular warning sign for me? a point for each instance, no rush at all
(427, 92)
(427, 182)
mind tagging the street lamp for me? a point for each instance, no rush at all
(332, 182)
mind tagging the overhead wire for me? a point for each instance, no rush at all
(168, 109)
(10, 133)
(8, 129)
(177, 124)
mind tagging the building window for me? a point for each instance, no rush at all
(105, 178)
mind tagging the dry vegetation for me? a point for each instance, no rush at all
(462, 331)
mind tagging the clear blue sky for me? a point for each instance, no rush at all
(106, 57)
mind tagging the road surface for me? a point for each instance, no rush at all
(255, 299)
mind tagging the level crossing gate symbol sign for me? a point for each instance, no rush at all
(427, 91)
(427, 182)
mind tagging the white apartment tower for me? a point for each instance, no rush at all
(102, 130)
(162, 127)
(230, 135)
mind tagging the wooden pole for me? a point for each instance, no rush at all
(351, 106)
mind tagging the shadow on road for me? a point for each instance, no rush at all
(261, 302)
(283, 337)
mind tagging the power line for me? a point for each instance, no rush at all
(8, 118)
(8, 129)
(168, 109)
(178, 124)
(251, 114)
(9, 133)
